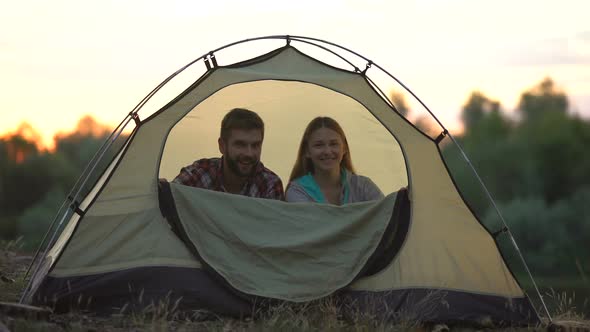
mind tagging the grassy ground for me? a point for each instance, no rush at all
(566, 297)
(315, 316)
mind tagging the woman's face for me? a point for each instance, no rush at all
(325, 148)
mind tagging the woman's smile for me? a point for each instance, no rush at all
(325, 149)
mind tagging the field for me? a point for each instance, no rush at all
(316, 316)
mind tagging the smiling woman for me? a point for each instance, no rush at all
(323, 171)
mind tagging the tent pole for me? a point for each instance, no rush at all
(491, 199)
(102, 155)
(464, 156)
(84, 172)
(110, 141)
(302, 39)
(327, 50)
(94, 160)
(380, 68)
(100, 151)
(59, 212)
(38, 266)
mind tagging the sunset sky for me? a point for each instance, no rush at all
(62, 59)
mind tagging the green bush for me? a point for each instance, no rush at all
(35, 220)
(550, 235)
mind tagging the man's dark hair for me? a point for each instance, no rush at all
(240, 118)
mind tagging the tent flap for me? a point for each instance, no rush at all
(279, 243)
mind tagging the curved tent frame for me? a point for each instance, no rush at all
(72, 204)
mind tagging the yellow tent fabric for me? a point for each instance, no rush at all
(446, 248)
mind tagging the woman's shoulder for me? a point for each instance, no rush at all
(294, 184)
(363, 188)
(359, 179)
(296, 192)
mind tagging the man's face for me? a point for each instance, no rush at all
(242, 151)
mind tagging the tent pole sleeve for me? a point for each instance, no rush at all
(440, 137)
(498, 232)
(213, 60)
(369, 64)
(76, 208)
(135, 118)
(491, 199)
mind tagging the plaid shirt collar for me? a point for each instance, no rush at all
(259, 168)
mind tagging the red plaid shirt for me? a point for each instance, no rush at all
(208, 174)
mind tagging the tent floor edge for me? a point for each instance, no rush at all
(134, 289)
(436, 306)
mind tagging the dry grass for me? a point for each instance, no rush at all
(321, 315)
(565, 306)
(12, 268)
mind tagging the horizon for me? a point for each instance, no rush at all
(89, 124)
(67, 59)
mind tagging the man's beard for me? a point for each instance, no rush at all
(232, 163)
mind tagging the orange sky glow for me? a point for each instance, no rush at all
(65, 59)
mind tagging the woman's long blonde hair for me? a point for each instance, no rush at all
(304, 165)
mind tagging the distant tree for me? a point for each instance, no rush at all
(399, 101)
(17, 146)
(18, 151)
(558, 145)
(428, 125)
(541, 100)
(476, 109)
(34, 221)
(555, 140)
(19, 159)
(488, 143)
(538, 170)
(34, 181)
(80, 145)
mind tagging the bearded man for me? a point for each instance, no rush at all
(239, 170)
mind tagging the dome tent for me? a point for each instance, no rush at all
(124, 232)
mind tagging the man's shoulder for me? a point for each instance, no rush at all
(268, 174)
(206, 163)
(269, 183)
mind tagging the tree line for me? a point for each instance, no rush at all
(534, 161)
(34, 181)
